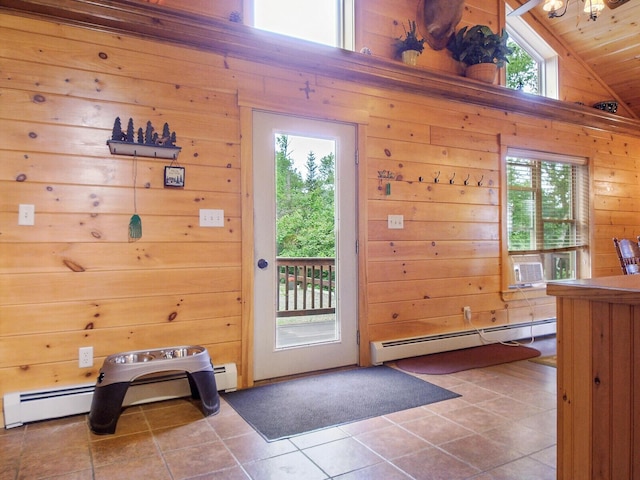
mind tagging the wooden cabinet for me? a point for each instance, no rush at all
(598, 378)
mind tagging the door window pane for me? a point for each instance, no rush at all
(305, 241)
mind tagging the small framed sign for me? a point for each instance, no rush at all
(174, 177)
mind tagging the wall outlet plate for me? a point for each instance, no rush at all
(85, 357)
(26, 214)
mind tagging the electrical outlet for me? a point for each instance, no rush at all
(26, 214)
(211, 218)
(395, 221)
(467, 314)
(85, 357)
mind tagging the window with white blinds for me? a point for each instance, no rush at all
(548, 210)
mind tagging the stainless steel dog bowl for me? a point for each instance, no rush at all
(132, 358)
(181, 352)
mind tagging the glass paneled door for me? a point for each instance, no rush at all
(304, 181)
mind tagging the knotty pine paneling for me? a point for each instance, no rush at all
(109, 313)
(431, 211)
(61, 344)
(115, 171)
(432, 288)
(73, 279)
(91, 227)
(393, 250)
(415, 270)
(56, 257)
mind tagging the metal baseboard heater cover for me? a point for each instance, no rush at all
(37, 405)
(386, 351)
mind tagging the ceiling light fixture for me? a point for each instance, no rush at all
(591, 7)
(553, 7)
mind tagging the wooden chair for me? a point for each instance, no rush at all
(629, 255)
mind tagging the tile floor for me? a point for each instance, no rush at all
(503, 427)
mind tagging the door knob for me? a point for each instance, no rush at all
(262, 264)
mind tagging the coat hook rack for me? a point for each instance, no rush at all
(385, 175)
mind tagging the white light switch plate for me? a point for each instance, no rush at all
(395, 222)
(211, 218)
(26, 214)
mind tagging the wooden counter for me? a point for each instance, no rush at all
(598, 377)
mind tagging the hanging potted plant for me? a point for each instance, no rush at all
(481, 50)
(409, 46)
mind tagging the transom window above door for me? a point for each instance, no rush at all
(329, 22)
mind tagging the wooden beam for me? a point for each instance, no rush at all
(240, 41)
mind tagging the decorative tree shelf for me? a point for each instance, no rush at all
(150, 143)
(117, 147)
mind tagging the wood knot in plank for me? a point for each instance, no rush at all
(73, 266)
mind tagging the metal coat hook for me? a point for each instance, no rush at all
(466, 180)
(452, 179)
(437, 178)
(480, 181)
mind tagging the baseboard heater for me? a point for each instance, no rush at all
(33, 406)
(386, 351)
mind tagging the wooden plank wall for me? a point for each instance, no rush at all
(73, 279)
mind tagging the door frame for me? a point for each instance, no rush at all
(360, 118)
(271, 360)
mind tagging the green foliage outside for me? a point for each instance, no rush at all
(541, 203)
(540, 198)
(522, 70)
(305, 225)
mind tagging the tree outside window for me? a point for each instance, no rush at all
(305, 222)
(523, 72)
(547, 213)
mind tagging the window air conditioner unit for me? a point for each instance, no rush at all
(528, 273)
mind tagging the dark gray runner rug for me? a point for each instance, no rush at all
(289, 408)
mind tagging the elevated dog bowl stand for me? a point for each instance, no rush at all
(120, 369)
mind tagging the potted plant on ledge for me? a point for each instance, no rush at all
(481, 50)
(409, 46)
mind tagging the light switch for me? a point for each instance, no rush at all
(26, 214)
(395, 222)
(211, 218)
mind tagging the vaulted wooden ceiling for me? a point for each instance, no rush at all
(610, 46)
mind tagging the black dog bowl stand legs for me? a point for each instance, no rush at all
(119, 370)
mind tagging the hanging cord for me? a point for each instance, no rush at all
(135, 224)
(511, 343)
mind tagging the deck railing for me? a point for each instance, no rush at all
(307, 286)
